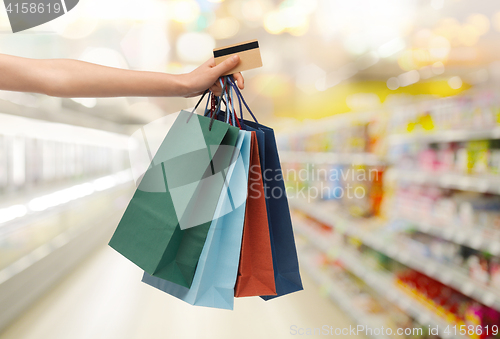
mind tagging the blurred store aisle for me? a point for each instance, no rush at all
(104, 299)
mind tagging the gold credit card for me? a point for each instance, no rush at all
(248, 52)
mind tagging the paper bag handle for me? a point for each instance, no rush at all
(240, 99)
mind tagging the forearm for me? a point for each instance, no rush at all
(73, 78)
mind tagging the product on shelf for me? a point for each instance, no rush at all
(480, 266)
(495, 272)
(448, 208)
(451, 305)
(450, 142)
(364, 135)
(452, 211)
(366, 306)
(358, 188)
(475, 111)
(474, 157)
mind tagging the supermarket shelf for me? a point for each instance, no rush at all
(379, 281)
(482, 184)
(445, 136)
(339, 297)
(467, 237)
(447, 275)
(332, 123)
(27, 279)
(369, 159)
(32, 207)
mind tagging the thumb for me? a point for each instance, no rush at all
(227, 65)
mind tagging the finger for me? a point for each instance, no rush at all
(239, 80)
(227, 65)
(216, 89)
(210, 62)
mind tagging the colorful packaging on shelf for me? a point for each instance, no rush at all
(478, 154)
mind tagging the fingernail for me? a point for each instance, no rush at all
(235, 58)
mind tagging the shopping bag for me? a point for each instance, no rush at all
(255, 271)
(160, 231)
(215, 276)
(285, 261)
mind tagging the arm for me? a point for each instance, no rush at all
(73, 78)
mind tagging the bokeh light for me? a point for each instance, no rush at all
(448, 28)
(224, 28)
(185, 11)
(122, 9)
(356, 43)
(291, 16)
(75, 28)
(146, 46)
(422, 37)
(254, 10)
(439, 47)
(426, 72)
(438, 68)
(455, 82)
(408, 78)
(469, 35)
(480, 22)
(393, 83)
(422, 57)
(195, 47)
(273, 23)
(405, 60)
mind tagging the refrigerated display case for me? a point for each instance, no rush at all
(63, 190)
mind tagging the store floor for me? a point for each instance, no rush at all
(105, 299)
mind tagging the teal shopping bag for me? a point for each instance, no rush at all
(215, 277)
(164, 228)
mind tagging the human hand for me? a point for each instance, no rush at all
(207, 75)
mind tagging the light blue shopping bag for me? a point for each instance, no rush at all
(215, 276)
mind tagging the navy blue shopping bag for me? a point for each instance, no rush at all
(286, 266)
(285, 261)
